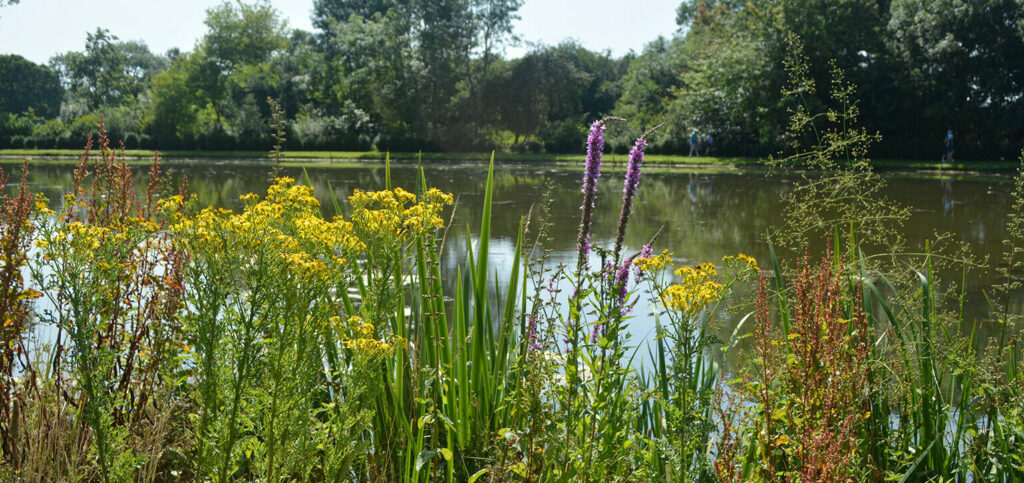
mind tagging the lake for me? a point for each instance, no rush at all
(702, 215)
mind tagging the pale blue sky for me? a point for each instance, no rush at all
(38, 29)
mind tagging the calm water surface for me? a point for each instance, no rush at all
(702, 216)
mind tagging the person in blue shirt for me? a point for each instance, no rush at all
(948, 141)
(694, 137)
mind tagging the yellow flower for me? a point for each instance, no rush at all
(655, 263)
(358, 325)
(695, 290)
(41, 207)
(369, 346)
(747, 262)
(386, 219)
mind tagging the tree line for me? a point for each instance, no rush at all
(408, 75)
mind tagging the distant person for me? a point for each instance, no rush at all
(709, 144)
(694, 137)
(948, 141)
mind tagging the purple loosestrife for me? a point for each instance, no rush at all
(591, 172)
(533, 337)
(622, 282)
(636, 158)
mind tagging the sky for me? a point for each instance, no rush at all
(39, 29)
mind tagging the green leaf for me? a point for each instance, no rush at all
(424, 457)
(446, 454)
(477, 475)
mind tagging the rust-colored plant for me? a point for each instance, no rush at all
(15, 237)
(826, 372)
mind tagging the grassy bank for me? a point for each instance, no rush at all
(143, 156)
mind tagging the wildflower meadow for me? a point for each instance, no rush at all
(294, 341)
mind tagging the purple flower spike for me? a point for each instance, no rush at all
(591, 172)
(636, 158)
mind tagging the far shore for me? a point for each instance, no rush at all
(139, 156)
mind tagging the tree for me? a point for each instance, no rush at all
(326, 12)
(649, 84)
(493, 20)
(236, 52)
(242, 34)
(174, 106)
(294, 71)
(443, 33)
(962, 60)
(108, 73)
(728, 66)
(544, 87)
(368, 69)
(26, 86)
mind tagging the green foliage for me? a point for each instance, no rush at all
(328, 12)
(242, 34)
(861, 373)
(419, 75)
(108, 73)
(649, 85)
(961, 57)
(550, 91)
(115, 354)
(175, 109)
(28, 87)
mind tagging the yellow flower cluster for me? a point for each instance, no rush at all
(655, 263)
(747, 262)
(396, 215)
(81, 238)
(285, 224)
(169, 206)
(369, 346)
(297, 198)
(363, 340)
(696, 289)
(202, 230)
(42, 205)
